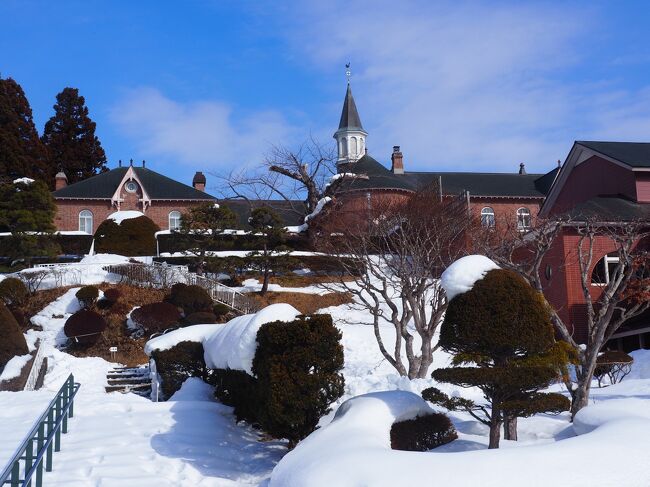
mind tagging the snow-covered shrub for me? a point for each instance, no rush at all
(85, 327)
(178, 363)
(422, 433)
(12, 340)
(134, 236)
(87, 296)
(13, 291)
(190, 298)
(200, 317)
(156, 317)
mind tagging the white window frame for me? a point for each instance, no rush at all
(607, 259)
(86, 216)
(174, 215)
(522, 213)
(486, 212)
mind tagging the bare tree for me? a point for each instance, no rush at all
(395, 249)
(292, 175)
(608, 306)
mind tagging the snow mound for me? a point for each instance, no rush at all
(194, 389)
(593, 416)
(23, 180)
(119, 216)
(461, 276)
(640, 366)
(14, 367)
(104, 259)
(229, 346)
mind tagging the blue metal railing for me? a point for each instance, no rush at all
(46, 436)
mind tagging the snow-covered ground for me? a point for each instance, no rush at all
(192, 440)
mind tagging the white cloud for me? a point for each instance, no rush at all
(202, 134)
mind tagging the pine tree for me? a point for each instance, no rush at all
(70, 138)
(21, 151)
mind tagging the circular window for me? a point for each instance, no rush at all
(131, 187)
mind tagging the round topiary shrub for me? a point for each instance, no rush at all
(135, 236)
(190, 298)
(112, 295)
(422, 433)
(85, 327)
(200, 318)
(156, 317)
(87, 296)
(178, 363)
(13, 291)
(12, 340)
(220, 309)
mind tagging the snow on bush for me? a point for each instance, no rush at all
(460, 276)
(228, 346)
(14, 367)
(119, 216)
(23, 181)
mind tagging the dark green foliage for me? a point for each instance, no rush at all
(191, 298)
(220, 309)
(12, 340)
(502, 330)
(178, 363)
(200, 317)
(21, 152)
(13, 292)
(135, 236)
(87, 296)
(85, 327)
(112, 295)
(201, 227)
(422, 433)
(70, 139)
(156, 317)
(297, 368)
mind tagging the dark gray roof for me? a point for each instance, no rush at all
(378, 177)
(157, 186)
(634, 154)
(611, 208)
(350, 115)
(290, 212)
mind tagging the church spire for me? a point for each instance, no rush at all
(350, 137)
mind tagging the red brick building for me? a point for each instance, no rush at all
(84, 205)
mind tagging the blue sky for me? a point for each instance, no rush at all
(209, 85)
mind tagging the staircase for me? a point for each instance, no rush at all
(130, 379)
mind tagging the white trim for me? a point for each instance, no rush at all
(131, 175)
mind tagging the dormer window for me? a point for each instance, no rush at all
(131, 187)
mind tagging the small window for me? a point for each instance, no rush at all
(174, 220)
(131, 186)
(487, 217)
(86, 221)
(523, 218)
(604, 270)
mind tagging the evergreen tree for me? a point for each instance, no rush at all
(21, 152)
(502, 330)
(70, 138)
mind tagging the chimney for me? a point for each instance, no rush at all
(398, 161)
(144, 163)
(120, 163)
(522, 168)
(198, 181)
(60, 180)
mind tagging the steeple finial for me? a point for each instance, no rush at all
(348, 73)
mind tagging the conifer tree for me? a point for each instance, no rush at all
(70, 138)
(21, 152)
(501, 329)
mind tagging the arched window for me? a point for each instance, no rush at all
(345, 146)
(174, 220)
(523, 218)
(604, 270)
(353, 148)
(487, 217)
(86, 221)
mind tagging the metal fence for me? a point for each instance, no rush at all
(37, 449)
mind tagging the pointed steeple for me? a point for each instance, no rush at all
(350, 116)
(350, 137)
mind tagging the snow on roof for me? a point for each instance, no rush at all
(23, 180)
(229, 346)
(119, 216)
(460, 276)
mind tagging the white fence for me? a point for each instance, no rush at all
(32, 378)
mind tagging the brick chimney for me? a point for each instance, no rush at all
(60, 180)
(199, 181)
(398, 161)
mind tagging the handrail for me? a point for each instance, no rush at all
(55, 418)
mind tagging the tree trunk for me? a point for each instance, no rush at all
(495, 428)
(580, 395)
(426, 358)
(265, 282)
(510, 428)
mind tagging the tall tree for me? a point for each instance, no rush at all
(70, 138)
(21, 151)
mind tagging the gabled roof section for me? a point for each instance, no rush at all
(633, 154)
(374, 176)
(157, 186)
(350, 116)
(610, 209)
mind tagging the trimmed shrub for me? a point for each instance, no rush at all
(112, 295)
(201, 317)
(20, 317)
(156, 317)
(12, 341)
(220, 309)
(87, 296)
(85, 327)
(422, 433)
(614, 365)
(190, 298)
(178, 363)
(13, 291)
(237, 389)
(134, 236)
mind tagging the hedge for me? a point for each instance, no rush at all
(85, 327)
(177, 364)
(13, 291)
(177, 242)
(156, 317)
(12, 341)
(201, 317)
(191, 299)
(422, 433)
(135, 236)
